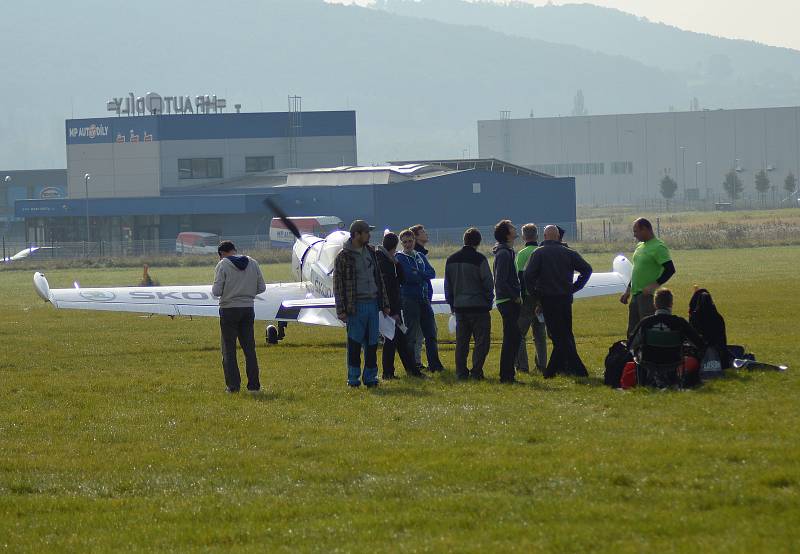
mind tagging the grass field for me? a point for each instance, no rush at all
(115, 435)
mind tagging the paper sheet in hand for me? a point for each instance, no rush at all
(386, 326)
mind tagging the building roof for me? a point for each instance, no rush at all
(485, 164)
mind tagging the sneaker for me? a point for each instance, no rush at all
(436, 369)
(389, 376)
(354, 385)
(254, 391)
(478, 376)
(230, 390)
(418, 375)
(421, 367)
(371, 385)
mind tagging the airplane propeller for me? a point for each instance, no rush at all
(271, 205)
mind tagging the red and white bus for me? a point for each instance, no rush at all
(317, 225)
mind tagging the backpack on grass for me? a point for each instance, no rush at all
(618, 355)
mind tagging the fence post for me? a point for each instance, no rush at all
(4, 247)
(581, 239)
(604, 231)
(658, 226)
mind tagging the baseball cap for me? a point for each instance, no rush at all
(360, 226)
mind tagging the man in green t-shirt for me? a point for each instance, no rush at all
(531, 313)
(652, 267)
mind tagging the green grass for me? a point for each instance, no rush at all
(115, 434)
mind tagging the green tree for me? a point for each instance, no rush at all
(733, 185)
(790, 184)
(762, 186)
(668, 187)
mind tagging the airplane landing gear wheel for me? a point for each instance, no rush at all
(272, 334)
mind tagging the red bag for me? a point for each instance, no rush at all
(628, 379)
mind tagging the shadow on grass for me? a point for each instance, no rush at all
(399, 391)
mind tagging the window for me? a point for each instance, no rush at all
(200, 168)
(259, 163)
(621, 168)
(572, 169)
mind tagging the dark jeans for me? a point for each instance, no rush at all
(509, 311)
(354, 363)
(639, 307)
(418, 314)
(558, 317)
(528, 320)
(400, 344)
(477, 325)
(237, 323)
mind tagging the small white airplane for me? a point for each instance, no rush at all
(309, 300)
(22, 254)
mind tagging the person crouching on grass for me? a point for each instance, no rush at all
(360, 294)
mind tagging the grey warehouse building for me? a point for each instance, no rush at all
(621, 159)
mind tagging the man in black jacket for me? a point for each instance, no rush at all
(392, 274)
(469, 290)
(550, 273)
(509, 300)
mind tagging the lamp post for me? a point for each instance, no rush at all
(5, 191)
(683, 162)
(86, 188)
(696, 169)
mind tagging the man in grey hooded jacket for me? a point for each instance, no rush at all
(237, 281)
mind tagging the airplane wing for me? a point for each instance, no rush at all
(179, 300)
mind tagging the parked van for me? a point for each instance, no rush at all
(193, 242)
(318, 225)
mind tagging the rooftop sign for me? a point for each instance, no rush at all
(153, 103)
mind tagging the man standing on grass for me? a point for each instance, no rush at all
(531, 313)
(416, 298)
(469, 290)
(549, 274)
(420, 241)
(509, 300)
(652, 267)
(360, 295)
(237, 281)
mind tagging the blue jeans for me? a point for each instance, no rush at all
(418, 316)
(362, 331)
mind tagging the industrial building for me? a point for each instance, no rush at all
(150, 177)
(446, 200)
(621, 159)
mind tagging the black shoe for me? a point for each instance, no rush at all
(509, 381)
(462, 376)
(476, 376)
(421, 367)
(389, 376)
(417, 374)
(230, 390)
(436, 369)
(371, 385)
(354, 385)
(523, 369)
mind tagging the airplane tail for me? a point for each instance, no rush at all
(42, 286)
(623, 266)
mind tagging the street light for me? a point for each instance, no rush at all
(86, 187)
(6, 181)
(696, 169)
(683, 161)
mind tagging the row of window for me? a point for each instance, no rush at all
(572, 169)
(211, 168)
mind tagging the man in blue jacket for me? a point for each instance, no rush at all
(414, 290)
(507, 290)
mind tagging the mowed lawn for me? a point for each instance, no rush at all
(115, 434)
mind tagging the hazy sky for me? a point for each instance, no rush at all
(775, 22)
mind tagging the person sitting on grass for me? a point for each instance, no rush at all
(657, 343)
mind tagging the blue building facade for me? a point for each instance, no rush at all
(448, 202)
